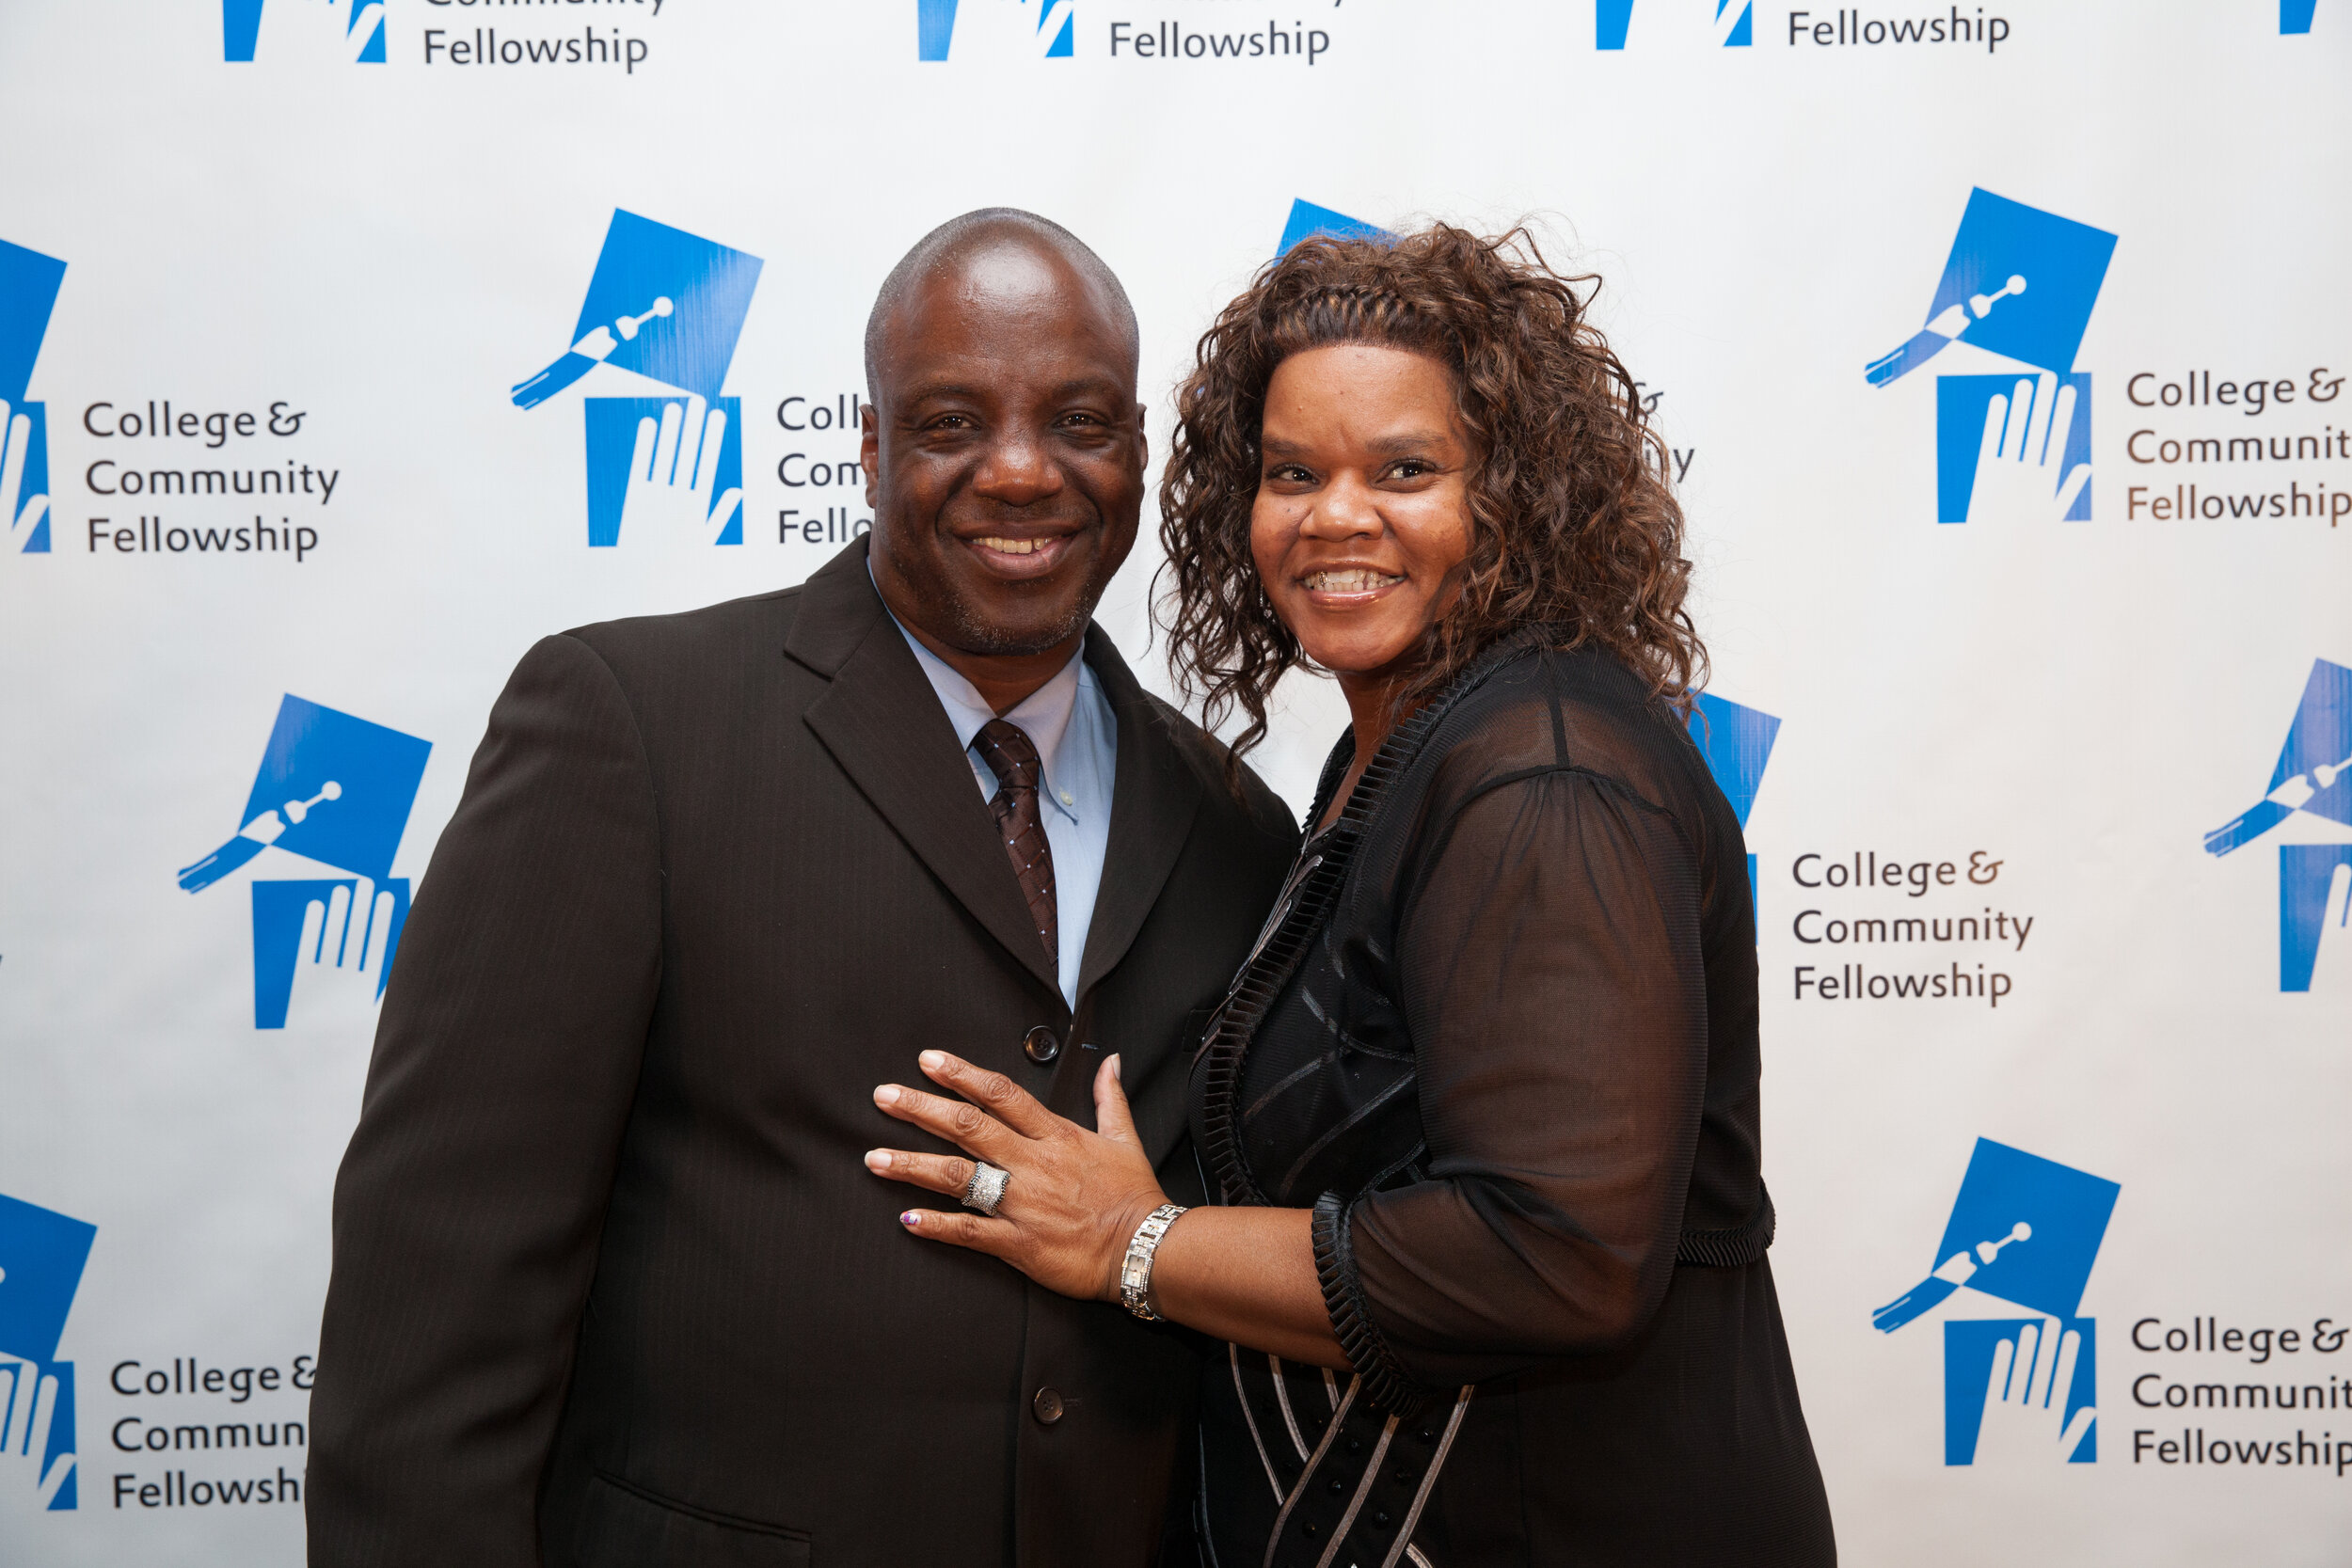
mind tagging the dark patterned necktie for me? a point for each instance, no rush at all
(1013, 759)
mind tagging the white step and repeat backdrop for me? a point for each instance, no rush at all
(2001, 348)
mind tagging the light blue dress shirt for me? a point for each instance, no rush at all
(1070, 721)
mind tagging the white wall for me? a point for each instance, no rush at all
(388, 248)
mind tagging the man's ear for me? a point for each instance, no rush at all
(1143, 438)
(869, 452)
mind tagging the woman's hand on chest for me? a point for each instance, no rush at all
(1073, 1197)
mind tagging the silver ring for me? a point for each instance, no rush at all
(986, 1188)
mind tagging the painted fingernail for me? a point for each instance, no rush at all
(887, 1095)
(911, 1219)
(934, 1060)
(878, 1159)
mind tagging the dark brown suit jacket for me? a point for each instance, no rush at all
(610, 1285)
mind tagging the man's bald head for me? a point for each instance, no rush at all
(1003, 446)
(963, 241)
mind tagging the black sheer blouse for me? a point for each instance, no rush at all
(1499, 1034)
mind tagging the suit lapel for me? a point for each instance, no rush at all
(1154, 797)
(882, 721)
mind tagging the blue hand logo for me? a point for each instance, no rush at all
(2313, 774)
(668, 306)
(653, 466)
(1734, 29)
(2314, 898)
(336, 790)
(996, 30)
(2025, 1230)
(2011, 446)
(335, 31)
(28, 292)
(2021, 283)
(41, 1255)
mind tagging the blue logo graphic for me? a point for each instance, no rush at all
(999, 29)
(2314, 898)
(2019, 282)
(41, 1255)
(1736, 742)
(336, 790)
(332, 29)
(1996, 427)
(2294, 16)
(28, 292)
(1307, 220)
(664, 448)
(2026, 1231)
(668, 306)
(2310, 776)
(1734, 22)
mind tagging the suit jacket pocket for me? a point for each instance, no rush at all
(624, 1526)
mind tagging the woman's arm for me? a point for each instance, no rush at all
(1247, 1275)
(1551, 969)
(1075, 1199)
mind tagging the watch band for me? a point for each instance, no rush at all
(1135, 1275)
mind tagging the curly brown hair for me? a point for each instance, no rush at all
(1572, 522)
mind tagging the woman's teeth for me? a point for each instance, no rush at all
(1010, 546)
(1362, 581)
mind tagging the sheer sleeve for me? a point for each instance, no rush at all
(1549, 961)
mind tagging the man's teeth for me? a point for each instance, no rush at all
(1360, 581)
(1011, 547)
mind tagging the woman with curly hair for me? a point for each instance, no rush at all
(1479, 1117)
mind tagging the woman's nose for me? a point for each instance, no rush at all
(1345, 510)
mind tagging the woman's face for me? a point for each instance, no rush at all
(1362, 509)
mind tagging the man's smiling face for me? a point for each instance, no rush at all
(1005, 451)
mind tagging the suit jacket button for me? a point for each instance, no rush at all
(1042, 1045)
(1046, 1407)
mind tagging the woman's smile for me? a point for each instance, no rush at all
(1341, 587)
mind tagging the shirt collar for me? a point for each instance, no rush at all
(1044, 716)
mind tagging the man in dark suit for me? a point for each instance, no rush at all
(612, 1284)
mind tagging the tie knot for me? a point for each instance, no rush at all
(1010, 754)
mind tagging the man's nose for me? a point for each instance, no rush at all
(1018, 471)
(1347, 509)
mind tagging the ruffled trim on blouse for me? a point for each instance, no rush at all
(1387, 1386)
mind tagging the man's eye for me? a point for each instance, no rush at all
(1412, 467)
